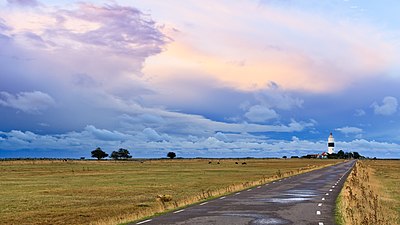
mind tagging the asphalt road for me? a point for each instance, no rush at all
(303, 199)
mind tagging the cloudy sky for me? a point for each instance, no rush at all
(259, 78)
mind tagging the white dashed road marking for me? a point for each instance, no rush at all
(330, 190)
(323, 199)
(318, 212)
(179, 211)
(144, 222)
(222, 197)
(203, 203)
(249, 190)
(320, 223)
(237, 193)
(327, 194)
(319, 204)
(259, 187)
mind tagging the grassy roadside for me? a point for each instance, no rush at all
(109, 192)
(370, 194)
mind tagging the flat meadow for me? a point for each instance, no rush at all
(112, 192)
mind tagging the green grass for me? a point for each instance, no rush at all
(104, 192)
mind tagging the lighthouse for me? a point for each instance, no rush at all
(331, 144)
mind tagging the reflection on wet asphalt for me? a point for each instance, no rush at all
(300, 199)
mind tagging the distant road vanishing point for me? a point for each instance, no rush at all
(307, 199)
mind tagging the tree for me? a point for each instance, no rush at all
(356, 155)
(284, 157)
(99, 153)
(171, 155)
(121, 154)
(340, 154)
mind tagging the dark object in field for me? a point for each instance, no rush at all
(164, 198)
(218, 163)
(244, 163)
(236, 163)
(209, 162)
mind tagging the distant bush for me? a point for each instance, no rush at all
(171, 155)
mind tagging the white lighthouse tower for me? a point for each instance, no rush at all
(331, 144)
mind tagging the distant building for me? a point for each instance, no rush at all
(331, 144)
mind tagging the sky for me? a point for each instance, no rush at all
(245, 78)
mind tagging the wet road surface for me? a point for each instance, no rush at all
(302, 199)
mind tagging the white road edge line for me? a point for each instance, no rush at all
(259, 187)
(222, 197)
(249, 189)
(203, 203)
(144, 221)
(318, 212)
(179, 211)
(237, 193)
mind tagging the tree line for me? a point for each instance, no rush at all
(122, 153)
(345, 155)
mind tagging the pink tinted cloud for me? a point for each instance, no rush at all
(28, 3)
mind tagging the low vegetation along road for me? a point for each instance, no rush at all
(303, 199)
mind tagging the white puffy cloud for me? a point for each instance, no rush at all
(259, 113)
(81, 143)
(349, 130)
(152, 135)
(389, 106)
(360, 112)
(29, 102)
(275, 97)
(105, 135)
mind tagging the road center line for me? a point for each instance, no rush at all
(179, 211)
(319, 204)
(327, 194)
(320, 223)
(330, 190)
(318, 212)
(144, 221)
(323, 199)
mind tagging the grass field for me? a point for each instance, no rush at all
(110, 192)
(371, 194)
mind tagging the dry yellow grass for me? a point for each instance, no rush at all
(111, 192)
(370, 195)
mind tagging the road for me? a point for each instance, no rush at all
(307, 198)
